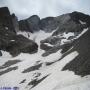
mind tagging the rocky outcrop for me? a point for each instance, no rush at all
(81, 64)
(67, 24)
(77, 16)
(15, 22)
(34, 23)
(0, 53)
(9, 41)
(45, 47)
(31, 24)
(15, 44)
(6, 19)
(69, 27)
(48, 24)
(24, 26)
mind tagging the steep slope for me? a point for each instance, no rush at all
(35, 72)
(61, 61)
(63, 49)
(81, 64)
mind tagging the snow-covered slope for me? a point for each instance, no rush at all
(35, 72)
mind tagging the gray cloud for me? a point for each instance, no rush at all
(44, 8)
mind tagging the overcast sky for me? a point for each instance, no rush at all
(44, 8)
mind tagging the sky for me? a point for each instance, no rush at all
(44, 8)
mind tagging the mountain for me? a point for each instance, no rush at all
(52, 53)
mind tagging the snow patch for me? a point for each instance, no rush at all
(82, 22)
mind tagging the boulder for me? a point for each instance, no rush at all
(15, 44)
(45, 47)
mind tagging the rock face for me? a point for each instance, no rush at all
(67, 24)
(24, 26)
(48, 24)
(76, 16)
(34, 23)
(31, 24)
(68, 28)
(6, 19)
(9, 41)
(0, 53)
(15, 44)
(15, 22)
(45, 47)
(66, 38)
(81, 64)
(64, 23)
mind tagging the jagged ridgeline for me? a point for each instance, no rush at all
(47, 50)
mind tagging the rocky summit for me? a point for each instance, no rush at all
(51, 53)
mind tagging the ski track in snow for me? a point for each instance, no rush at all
(56, 79)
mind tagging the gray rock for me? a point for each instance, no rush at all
(45, 47)
(9, 41)
(76, 16)
(15, 22)
(0, 53)
(15, 44)
(52, 40)
(48, 24)
(67, 24)
(81, 64)
(6, 19)
(34, 23)
(30, 24)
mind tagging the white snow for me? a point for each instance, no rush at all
(6, 28)
(67, 35)
(12, 40)
(56, 80)
(26, 34)
(84, 31)
(5, 54)
(63, 41)
(82, 22)
(48, 44)
(4, 57)
(38, 36)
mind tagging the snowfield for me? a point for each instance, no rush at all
(47, 71)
